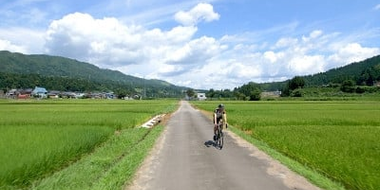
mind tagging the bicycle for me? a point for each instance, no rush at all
(219, 135)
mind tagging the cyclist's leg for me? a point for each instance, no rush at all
(215, 126)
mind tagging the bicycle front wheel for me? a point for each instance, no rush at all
(221, 140)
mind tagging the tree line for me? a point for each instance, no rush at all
(250, 91)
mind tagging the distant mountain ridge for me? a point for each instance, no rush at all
(356, 71)
(19, 70)
(362, 72)
(47, 65)
(61, 67)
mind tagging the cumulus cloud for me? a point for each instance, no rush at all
(81, 36)
(240, 62)
(7, 45)
(107, 41)
(195, 51)
(289, 56)
(201, 12)
(21, 40)
(306, 64)
(133, 49)
(349, 53)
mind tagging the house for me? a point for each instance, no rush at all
(23, 96)
(201, 96)
(24, 93)
(54, 94)
(39, 92)
(12, 93)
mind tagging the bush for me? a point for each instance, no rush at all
(348, 86)
(255, 95)
(297, 93)
(360, 89)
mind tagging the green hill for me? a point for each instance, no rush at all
(365, 72)
(58, 73)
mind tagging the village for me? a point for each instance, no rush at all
(42, 93)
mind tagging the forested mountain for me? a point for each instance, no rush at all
(363, 73)
(58, 73)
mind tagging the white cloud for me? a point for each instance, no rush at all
(133, 49)
(201, 12)
(107, 41)
(377, 7)
(22, 40)
(194, 52)
(241, 70)
(81, 36)
(290, 56)
(349, 53)
(313, 35)
(7, 45)
(286, 42)
(305, 64)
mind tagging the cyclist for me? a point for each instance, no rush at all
(219, 114)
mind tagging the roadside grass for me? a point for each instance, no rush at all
(109, 166)
(336, 139)
(29, 152)
(39, 138)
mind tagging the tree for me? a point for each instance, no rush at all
(210, 94)
(297, 93)
(190, 93)
(285, 91)
(293, 87)
(296, 82)
(251, 90)
(255, 94)
(348, 86)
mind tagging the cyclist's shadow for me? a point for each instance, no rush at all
(210, 143)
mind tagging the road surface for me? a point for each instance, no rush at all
(184, 158)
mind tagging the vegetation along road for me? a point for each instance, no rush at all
(185, 158)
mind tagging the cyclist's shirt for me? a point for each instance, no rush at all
(219, 113)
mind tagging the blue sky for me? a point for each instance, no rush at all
(218, 44)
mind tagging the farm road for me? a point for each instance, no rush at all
(184, 158)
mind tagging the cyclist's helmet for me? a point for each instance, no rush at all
(221, 106)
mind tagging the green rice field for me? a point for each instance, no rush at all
(338, 139)
(47, 138)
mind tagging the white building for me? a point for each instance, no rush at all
(201, 96)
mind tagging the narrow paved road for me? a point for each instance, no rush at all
(185, 159)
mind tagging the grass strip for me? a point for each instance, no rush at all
(92, 168)
(122, 172)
